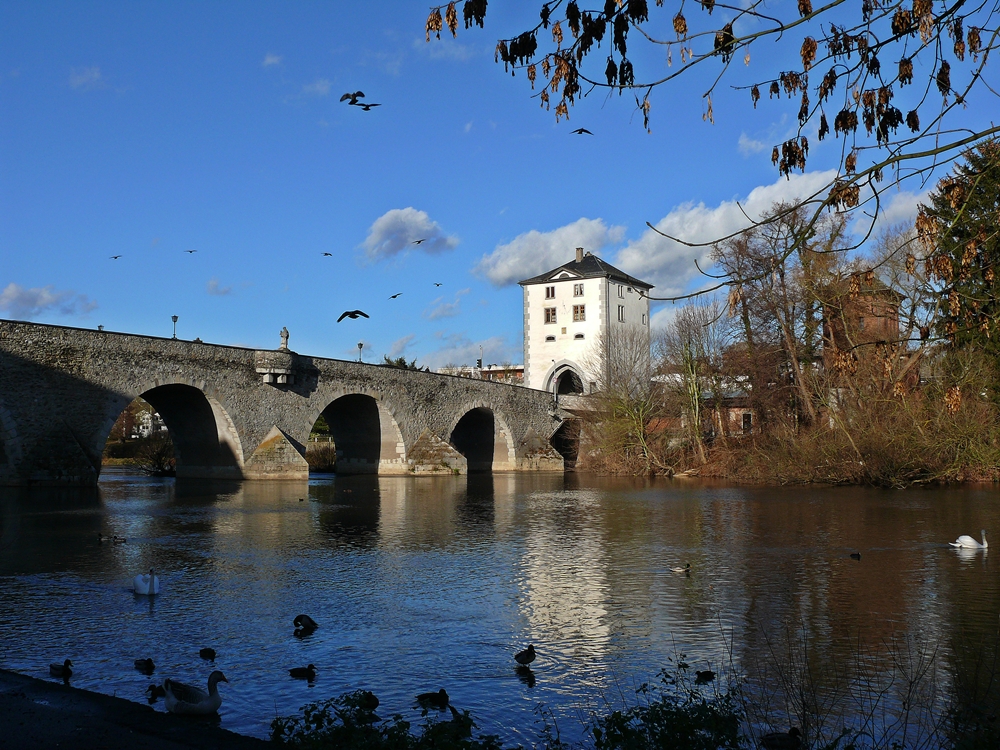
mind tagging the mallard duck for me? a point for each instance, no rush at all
(438, 700)
(155, 691)
(101, 539)
(967, 541)
(524, 658)
(702, 676)
(855, 555)
(685, 569)
(146, 584)
(207, 653)
(61, 670)
(369, 701)
(790, 740)
(303, 673)
(145, 666)
(118, 539)
(187, 699)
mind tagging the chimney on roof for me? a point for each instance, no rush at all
(579, 254)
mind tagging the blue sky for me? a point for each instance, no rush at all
(147, 129)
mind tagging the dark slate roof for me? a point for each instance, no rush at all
(591, 267)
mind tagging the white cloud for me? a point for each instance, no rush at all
(670, 265)
(24, 304)
(458, 349)
(86, 79)
(535, 252)
(442, 309)
(396, 231)
(900, 207)
(271, 59)
(468, 126)
(213, 288)
(445, 49)
(319, 87)
(748, 145)
(399, 346)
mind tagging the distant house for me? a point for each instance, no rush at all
(858, 317)
(511, 374)
(566, 310)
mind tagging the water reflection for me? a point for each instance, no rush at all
(419, 583)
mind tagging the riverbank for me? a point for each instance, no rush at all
(41, 714)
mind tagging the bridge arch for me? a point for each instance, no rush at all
(207, 444)
(10, 445)
(483, 436)
(365, 432)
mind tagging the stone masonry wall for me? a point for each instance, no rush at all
(61, 389)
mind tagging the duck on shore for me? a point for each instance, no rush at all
(187, 699)
(61, 670)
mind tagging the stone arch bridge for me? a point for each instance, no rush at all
(240, 413)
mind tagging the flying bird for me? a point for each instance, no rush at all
(582, 131)
(190, 251)
(395, 295)
(115, 257)
(328, 254)
(417, 242)
(366, 107)
(353, 96)
(437, 283)
(352, 314)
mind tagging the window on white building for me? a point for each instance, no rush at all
(550, 315)
(644, 318)
(621, 291)
(550, 338)
(550, 292)
(621, 313)
(578, 336)
(578, 290)
(579, 313)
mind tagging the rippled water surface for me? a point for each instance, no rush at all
(426, 583)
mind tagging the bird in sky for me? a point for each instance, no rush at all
(353, 96)
(417, 242)
(352, 314)
(330, 255)
(115, 257)
(366, 107)
(395, 295)
(437, 283)
(190, 251)
(582, 131)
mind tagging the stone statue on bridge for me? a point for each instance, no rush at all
(284, 339)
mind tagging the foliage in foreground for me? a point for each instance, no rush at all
(350, 721)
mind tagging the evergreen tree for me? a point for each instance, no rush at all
(960, 232)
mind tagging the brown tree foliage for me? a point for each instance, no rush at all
(901, 81)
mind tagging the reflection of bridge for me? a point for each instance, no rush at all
(246, 414)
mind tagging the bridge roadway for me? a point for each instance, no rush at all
(239, 413)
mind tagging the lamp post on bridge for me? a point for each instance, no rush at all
(361, 345)
(174, 318)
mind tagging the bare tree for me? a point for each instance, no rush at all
(625, 401)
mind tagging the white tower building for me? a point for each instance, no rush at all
(566, 310)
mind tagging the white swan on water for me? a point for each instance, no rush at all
(146, 584)
(967, 541)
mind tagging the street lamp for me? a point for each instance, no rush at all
(361, 345)
(174, 318)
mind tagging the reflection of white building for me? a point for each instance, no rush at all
(566, 309)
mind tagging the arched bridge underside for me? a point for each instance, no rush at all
(246, 414)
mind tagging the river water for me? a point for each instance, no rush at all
(424, 583)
